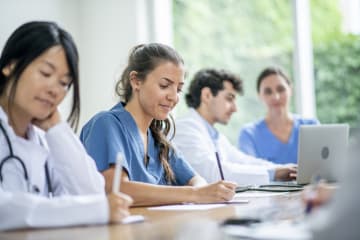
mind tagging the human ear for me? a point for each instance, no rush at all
(206, 94)
(134, 81)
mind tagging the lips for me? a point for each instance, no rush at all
(166, 107)
(46, 102)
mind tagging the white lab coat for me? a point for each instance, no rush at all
(194, 141)
(79, 196)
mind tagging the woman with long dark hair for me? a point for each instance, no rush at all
(46, 177)
(138, 126)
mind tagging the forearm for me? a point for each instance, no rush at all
(70, 160)
(197, 181)
(150, 194)
(29, 210)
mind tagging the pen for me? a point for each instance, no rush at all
(311, 194)
(219, 166)
(117, 174)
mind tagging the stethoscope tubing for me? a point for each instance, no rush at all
(14, 157)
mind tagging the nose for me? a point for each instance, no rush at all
(276, 96)
(234, 107)
(54, 88)
(172, 95)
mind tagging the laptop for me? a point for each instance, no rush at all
(322, 154)
(322, 151)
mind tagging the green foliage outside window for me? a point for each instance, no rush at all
(246, 36)
(337, 81)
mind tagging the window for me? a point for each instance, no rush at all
(246, 36)
(240, 36)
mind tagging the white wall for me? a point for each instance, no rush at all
(104, 31)
(107, 33)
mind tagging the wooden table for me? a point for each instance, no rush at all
(167, 224)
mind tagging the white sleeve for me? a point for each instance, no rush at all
(237, 156)
(199, 151)
(24, 210)
(71, 164)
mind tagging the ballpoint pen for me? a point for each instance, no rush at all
(219, 166)
(311, 193)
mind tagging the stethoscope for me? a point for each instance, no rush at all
(18, 159)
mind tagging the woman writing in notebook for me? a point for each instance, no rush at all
(46, 177)
(275, 137)
(153, 171)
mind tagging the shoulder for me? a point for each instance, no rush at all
(253, 127)
(189, 122)
(302, 121)
(102, 124)
(105, 118)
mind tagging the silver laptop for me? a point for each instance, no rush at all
(322, 151)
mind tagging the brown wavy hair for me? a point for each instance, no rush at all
(143, 59)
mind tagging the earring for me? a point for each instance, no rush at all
(6, 71)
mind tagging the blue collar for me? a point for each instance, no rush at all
(129, 121)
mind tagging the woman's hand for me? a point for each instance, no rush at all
(217, 192)
(319, 195)
(118, 206)
(286, 173)
(53, 119)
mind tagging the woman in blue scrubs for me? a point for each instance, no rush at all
(138, 126)
(275, 137)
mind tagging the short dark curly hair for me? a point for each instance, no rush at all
(213, 79)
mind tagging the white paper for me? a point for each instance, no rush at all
(187, 207)
(133, 219)
(257, 194)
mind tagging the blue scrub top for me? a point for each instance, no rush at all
(110, 132)
(257, 140)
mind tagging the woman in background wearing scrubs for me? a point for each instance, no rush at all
(46, 177)
(275, 137)
(153, 171)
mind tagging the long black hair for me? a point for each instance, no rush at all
(28, 42)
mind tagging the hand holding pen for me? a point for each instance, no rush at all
(317, 194)
(119, 203)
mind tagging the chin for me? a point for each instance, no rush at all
(161, 117)
(224, 122)
(42, 115)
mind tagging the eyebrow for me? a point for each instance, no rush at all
(171, 81)
(50, 64)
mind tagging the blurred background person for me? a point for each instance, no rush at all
(212, 99)
(275, 137)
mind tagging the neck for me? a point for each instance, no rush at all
(142, 120)
(205, 114)
(17, 120)
(278, 118)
